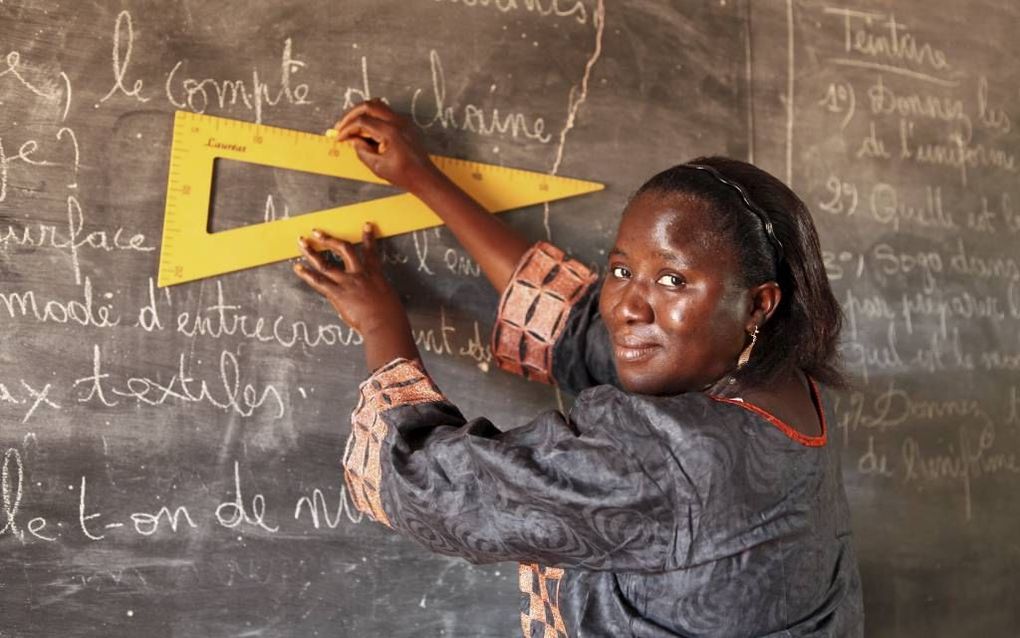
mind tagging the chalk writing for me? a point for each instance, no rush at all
(1013, 406)
(120, 64)
(957, 152)
(840, 97)
(182, 387)
(969, 459)
(270, 213)
(471, 117)
(555, 8)
(25, 153)
(241, 510)
(47, 91)
(236, 512)
(431, 340)
(27, 395)
(199, 94)
(83, 519)
(222, 319)
(356, 94)
(477, 348)
(37, 397)
(887, 354)
(888, 205)
(86, 312)
(316, 505)
(945, 307)
(895, 406)
(460, 264)
(12, 500)
(873, 462)
(65, 131)
(75, 239)
(884, 100)
(882, 37)
(148, 524)
(991, 117)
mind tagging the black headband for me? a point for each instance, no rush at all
(770, 233)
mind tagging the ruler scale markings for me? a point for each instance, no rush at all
(189, 192)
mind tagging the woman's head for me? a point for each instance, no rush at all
(695, 270)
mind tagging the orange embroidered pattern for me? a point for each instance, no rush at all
(400, 382)
(534, 308)
(803, 439)
(540, 609)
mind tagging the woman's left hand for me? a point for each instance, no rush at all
(359, 293)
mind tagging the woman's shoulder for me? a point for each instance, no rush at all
(669, 415)
(613, 395)
(795, 406)
(800, 420)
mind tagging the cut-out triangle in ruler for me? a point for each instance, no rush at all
(189, 251)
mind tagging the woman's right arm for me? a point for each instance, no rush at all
(548, 328)
(388, 145)
(596, 489)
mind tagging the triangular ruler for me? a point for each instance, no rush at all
(189, 251)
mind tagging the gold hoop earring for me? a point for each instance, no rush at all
(745, 356)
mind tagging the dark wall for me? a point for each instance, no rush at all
(118, 399)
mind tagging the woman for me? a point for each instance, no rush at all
(690, 491)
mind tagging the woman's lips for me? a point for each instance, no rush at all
(633, 350)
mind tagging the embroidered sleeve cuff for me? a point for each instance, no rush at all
(534, 309)
(399, 382)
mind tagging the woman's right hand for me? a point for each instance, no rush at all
(389, 145)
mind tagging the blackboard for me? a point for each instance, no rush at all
(170, 457)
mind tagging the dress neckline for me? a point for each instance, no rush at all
(799, 437)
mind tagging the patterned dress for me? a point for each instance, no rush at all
(633, 515)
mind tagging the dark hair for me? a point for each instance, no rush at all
(803, 332)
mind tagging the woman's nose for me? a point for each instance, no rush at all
(634, 306)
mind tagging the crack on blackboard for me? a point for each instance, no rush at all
(578, 94)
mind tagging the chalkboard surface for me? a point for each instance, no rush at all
(170, 457)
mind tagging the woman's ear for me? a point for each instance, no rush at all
(765, 299)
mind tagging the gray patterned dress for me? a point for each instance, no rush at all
(633, 515)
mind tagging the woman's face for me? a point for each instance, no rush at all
(672, 300)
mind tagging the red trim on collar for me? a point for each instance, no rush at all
(799, 437)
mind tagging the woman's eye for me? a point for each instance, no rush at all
(619, 272)
(673, 281)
